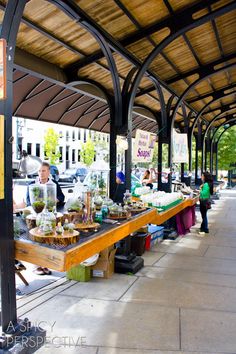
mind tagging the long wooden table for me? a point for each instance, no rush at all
(63, 259)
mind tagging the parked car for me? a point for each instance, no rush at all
(54, 172)
(95, 176)
(68, 176)
(81, 172)
(73, 175)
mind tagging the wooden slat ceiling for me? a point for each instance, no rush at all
(49, 34)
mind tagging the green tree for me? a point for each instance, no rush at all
(227, 149)
(51, 144)
(87, 152)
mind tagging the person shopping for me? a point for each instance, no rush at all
(205, 193)
(147, 179)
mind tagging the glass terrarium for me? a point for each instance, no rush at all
(50, 196)
(37, 197)
(127, 198)
(47, 222)
(98, 178)
(98, 201)
(47, 216)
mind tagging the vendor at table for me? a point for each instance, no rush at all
(120, 187)
(44, 174)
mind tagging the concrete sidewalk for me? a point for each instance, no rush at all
(182, 301)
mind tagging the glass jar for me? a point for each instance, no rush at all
(50, 196)
(127, 198)
(98, 201)
(120, 210)
(113, 210)
(47, 222)
(37, 197)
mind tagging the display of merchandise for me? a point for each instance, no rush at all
(142, 190)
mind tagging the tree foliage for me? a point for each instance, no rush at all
(227, 149)
(51, 145)
(87, 152)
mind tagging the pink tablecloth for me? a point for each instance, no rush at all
(185, 220)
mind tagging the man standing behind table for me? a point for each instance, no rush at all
(44, 173)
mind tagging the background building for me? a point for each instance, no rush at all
(29, 136)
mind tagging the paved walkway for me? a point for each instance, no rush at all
(183, 300)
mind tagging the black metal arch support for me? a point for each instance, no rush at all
(231, 125)
(215, 97)
(74, 12)
(10, 26)
(224, 109)
(195, 83)
(181, 28)
(212, 143)
(231, 118)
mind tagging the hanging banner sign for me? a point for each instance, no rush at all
(143, 146)
(1, 157)
(180, 148)
(2, 69)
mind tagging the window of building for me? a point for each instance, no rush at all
(61, 153)
(38, 150)
(79, 134)
(67, 136)
(67, 153)
(61, 134)
(85, 137)
(73, 155)
(73, 135)
(29, 148)
(78, 156)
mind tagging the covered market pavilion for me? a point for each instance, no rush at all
(116, 66)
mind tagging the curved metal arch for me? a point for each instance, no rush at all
(179, 29)
(73, 11)
(232, 125)
(195, 83)
(220, 126)
(216, 145)
(198, 116)
(223, 111)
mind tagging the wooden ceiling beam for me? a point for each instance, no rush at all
(217, 93)
(169, 22)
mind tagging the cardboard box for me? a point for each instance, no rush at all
(104, 268)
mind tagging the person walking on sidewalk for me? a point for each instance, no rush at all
(205, 193)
